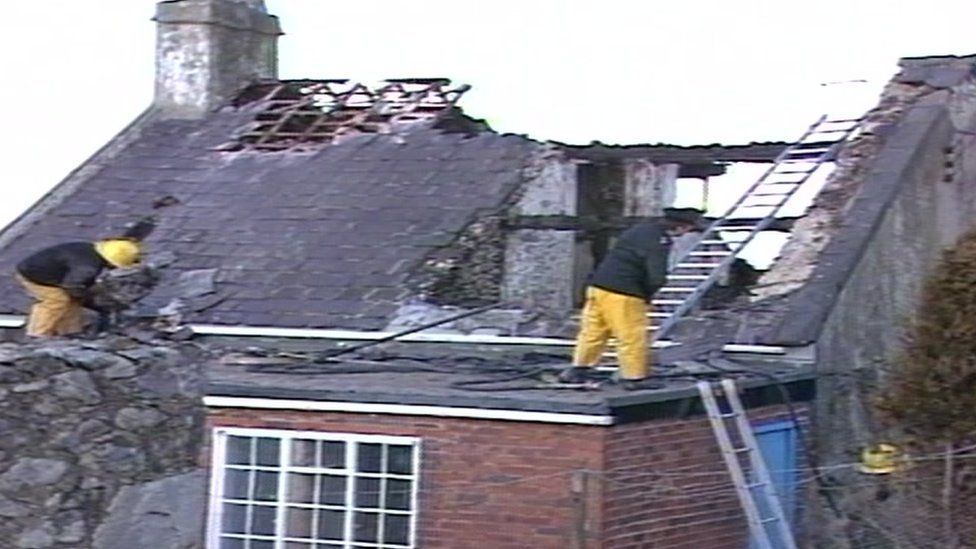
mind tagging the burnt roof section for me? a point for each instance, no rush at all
(692, 160)
(325, 237)
(294, 114)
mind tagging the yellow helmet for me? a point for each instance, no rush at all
(882, 459)
(119, 252)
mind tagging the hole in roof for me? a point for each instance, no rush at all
(297, 113)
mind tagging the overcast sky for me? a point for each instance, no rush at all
(617, 71)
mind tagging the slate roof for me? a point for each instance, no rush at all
(320, 238)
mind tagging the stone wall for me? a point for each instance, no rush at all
(101, 444)
(930, 173)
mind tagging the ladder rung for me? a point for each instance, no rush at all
(737, 228)
(667, 302)
(841, 121)
(769, 194)
(677, 290)
(709, 253)
(768, 520)
(838, 130)
(696, 265)
(688, 277)
(658, 315)
(700, 242)
(752, 485)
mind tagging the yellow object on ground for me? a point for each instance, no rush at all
(55, 311)
(119, 252)
(882, 459)
(621, 316)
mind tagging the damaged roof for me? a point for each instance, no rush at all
(314, 237)
(307, 203)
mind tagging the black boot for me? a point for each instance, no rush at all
(576, 374)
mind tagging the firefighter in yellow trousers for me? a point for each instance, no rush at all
(618, 293)
(59, 277)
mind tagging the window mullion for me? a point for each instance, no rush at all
(352, 454)
(284, 461)
(381, 497)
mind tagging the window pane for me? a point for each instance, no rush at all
(365, 526)
(238, 450)
(396, 529)
(367, 492)
(333, 455)
(261, 544)
(331, 524)
(231, 543)
(234, 518)
(332, 490)
(370, 458)
(303, 453)
(266, 486)
(298, 522)
(236, 483)
(262, 520)
(398, 494)
(301, 488)
(268, 453)
(399, 460)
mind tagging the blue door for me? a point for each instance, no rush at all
(778, 445)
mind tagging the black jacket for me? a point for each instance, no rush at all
(637, 265)
(73, 266)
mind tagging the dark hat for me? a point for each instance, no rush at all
(686, 216)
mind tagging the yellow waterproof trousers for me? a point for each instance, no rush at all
(624, 317)
(54, 312)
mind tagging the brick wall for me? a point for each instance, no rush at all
(497, 484)
(665, 485)
(503, 484)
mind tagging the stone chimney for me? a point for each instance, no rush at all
(207, 50)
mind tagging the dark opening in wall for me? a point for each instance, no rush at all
(599, 197)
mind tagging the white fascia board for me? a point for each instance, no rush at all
(404, 409)
(757, 349)
(12, 321)
(323, 333)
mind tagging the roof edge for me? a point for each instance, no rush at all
(77, 177)
(213, 401)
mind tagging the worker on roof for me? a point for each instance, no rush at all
(619, 292)
(60, 277)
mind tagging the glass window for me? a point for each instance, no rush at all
(301, 490)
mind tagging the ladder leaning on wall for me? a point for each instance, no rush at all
(701, 266)
(753, 483)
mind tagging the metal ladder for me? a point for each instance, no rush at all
(732, 454)
(703, 264)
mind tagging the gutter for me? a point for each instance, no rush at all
(404, 409)
(325, 333)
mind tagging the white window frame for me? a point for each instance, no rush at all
(285, 436)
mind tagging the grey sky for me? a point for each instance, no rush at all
(619, 71)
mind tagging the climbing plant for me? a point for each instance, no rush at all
(930, 393)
